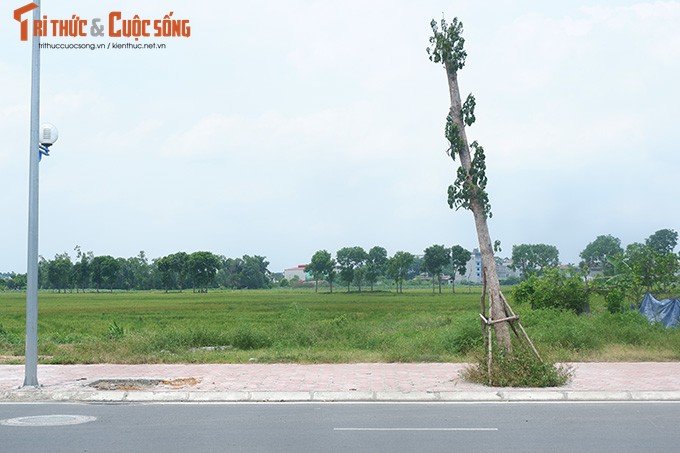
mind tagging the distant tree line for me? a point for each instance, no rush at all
(198, 271)
(12, 281)
(355, 266)
(621, 275)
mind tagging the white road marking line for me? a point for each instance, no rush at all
(415, 429)
(48, 420)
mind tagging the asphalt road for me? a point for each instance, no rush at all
(374, 427)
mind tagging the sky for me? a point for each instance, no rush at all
(279, 128)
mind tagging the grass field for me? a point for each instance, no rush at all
(301, 326)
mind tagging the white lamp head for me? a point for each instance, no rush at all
(48, 134)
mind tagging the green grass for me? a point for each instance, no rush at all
(304, 327)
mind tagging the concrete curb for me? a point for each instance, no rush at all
(111, 396)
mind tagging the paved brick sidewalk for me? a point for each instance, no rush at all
(339, 382)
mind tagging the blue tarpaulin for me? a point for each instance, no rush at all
(665, 311)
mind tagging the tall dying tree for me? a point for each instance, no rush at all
(469, 189)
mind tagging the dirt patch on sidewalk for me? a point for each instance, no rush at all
(144, 384)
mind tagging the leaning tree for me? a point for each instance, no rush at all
(469, 189)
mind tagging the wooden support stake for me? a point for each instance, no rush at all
(489, 360)
(526, 336)
(482, 308)
(530, 343)
(509, 318)
(489, 329)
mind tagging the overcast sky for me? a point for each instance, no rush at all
(279, 128)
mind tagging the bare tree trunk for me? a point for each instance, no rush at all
(496, 308)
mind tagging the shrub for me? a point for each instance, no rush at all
(519, 369)
(555, 289)
(615, 299)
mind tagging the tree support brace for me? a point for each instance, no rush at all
(494, 321)
(511, 317)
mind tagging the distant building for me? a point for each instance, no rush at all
(504, 270)
(473, 269)
(298, 272)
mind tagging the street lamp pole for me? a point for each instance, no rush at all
(31, 373)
